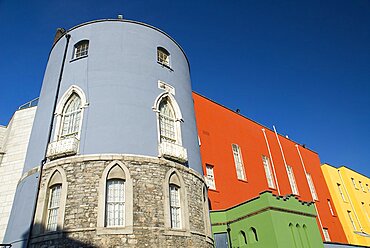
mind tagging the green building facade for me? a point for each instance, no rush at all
(267, 221)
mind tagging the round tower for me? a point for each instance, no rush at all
(115, 129)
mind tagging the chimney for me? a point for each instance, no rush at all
(60, 32)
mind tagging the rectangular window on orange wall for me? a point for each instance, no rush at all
(312, 187)
(210, 178)
(326, 234)
(292, 181)
(331, 208)
(240, 173)
(268, 171)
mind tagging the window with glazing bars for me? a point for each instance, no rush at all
(71, 117)
(53, 207)
(210, 177)
(312, 187)
(326, 234)
(240, 173)
(175, 206)
(163, 56)
(268, 172)
(292, 181)
(167, 122)
(81, 49)
(115, 203)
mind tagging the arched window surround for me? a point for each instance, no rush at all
(56, 177)
(184, 225)
(60, 108)
(127, 228)
(166, 96)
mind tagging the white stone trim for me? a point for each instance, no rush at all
(60, 106)
(185, 229)
(43, 200)
(128, 227)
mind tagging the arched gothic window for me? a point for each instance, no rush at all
(242, 238)
(167, 122)
(54, 196)
(175, 203)
(71, 117)
(115, 198)
(252, 235)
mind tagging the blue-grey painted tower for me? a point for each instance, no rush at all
(121, 83)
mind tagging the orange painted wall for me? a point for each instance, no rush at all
(219, 128)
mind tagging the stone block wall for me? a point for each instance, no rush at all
(13, 147)
(80, 228)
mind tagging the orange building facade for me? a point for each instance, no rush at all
(242, 158)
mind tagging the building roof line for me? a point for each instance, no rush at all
(227, 108)
(123, 20)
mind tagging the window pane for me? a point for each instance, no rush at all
(71, 117)
(53, 207)
(292, 181)
(115, 203)
(238, 162)
(175, 206)
(312, 187)
(269, 177)
(167, 122)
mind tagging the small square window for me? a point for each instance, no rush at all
(163, 56)
(81, 49)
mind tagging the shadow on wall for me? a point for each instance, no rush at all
(59, 238)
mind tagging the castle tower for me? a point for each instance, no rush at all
(115, 131)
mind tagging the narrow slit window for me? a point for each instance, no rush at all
(240, 173)
(268, 172)
(292, 181)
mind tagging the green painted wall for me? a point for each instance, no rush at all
(271, 217)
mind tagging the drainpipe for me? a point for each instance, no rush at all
(350, 202)
(43, 162)
(281, 150)
(229, 235)
(272, 161)
(305, 172)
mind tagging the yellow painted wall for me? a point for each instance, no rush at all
(354, 196)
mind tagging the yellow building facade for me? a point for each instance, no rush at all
(350, 192)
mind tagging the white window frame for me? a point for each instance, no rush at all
(55, 192)
(361, 186)
(55, 177)
(167, 96)
(81, 49)
(351, 220)
(354, 182)
(312, 187)
(60, 108)
(268, 172)
(292, 181)
(238, 160)
(119, 171)
(341, 192)
(331, 208)
(173, 177)
(210, 177)
(115, 190)
(326, 234)
(175, 206)
(163, 56)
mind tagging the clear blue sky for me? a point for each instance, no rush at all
(303, 66)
